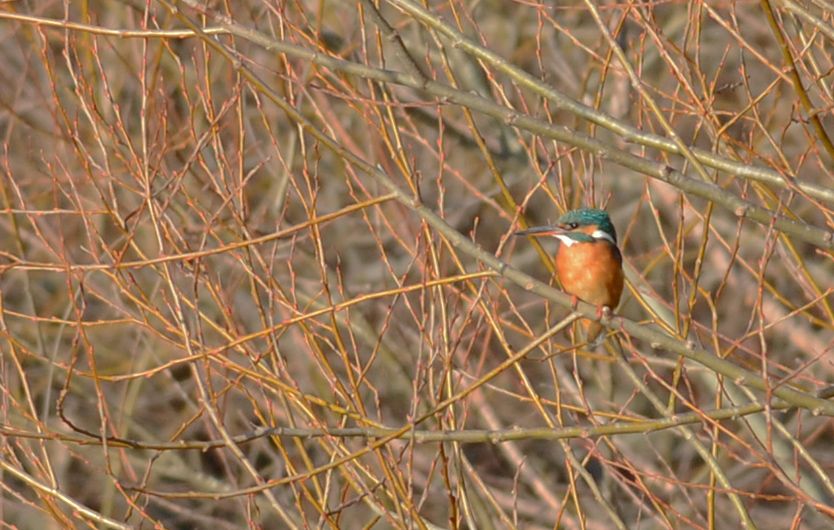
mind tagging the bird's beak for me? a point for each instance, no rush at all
(540, 231)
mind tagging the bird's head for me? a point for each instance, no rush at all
(585, 225)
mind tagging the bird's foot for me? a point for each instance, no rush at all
(603, 312)
(574, 301)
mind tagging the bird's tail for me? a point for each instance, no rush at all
(590, 331)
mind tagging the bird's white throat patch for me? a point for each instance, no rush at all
(566, 240)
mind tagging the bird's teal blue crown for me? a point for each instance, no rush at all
(587, 217)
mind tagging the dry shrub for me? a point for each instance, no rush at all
(257, 264)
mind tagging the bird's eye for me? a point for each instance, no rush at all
(573, 226)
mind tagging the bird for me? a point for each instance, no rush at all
(589, 263)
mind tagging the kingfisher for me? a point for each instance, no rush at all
(589, 264)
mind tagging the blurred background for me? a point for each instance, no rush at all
(241, 283)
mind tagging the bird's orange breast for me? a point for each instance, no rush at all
(593, 272)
